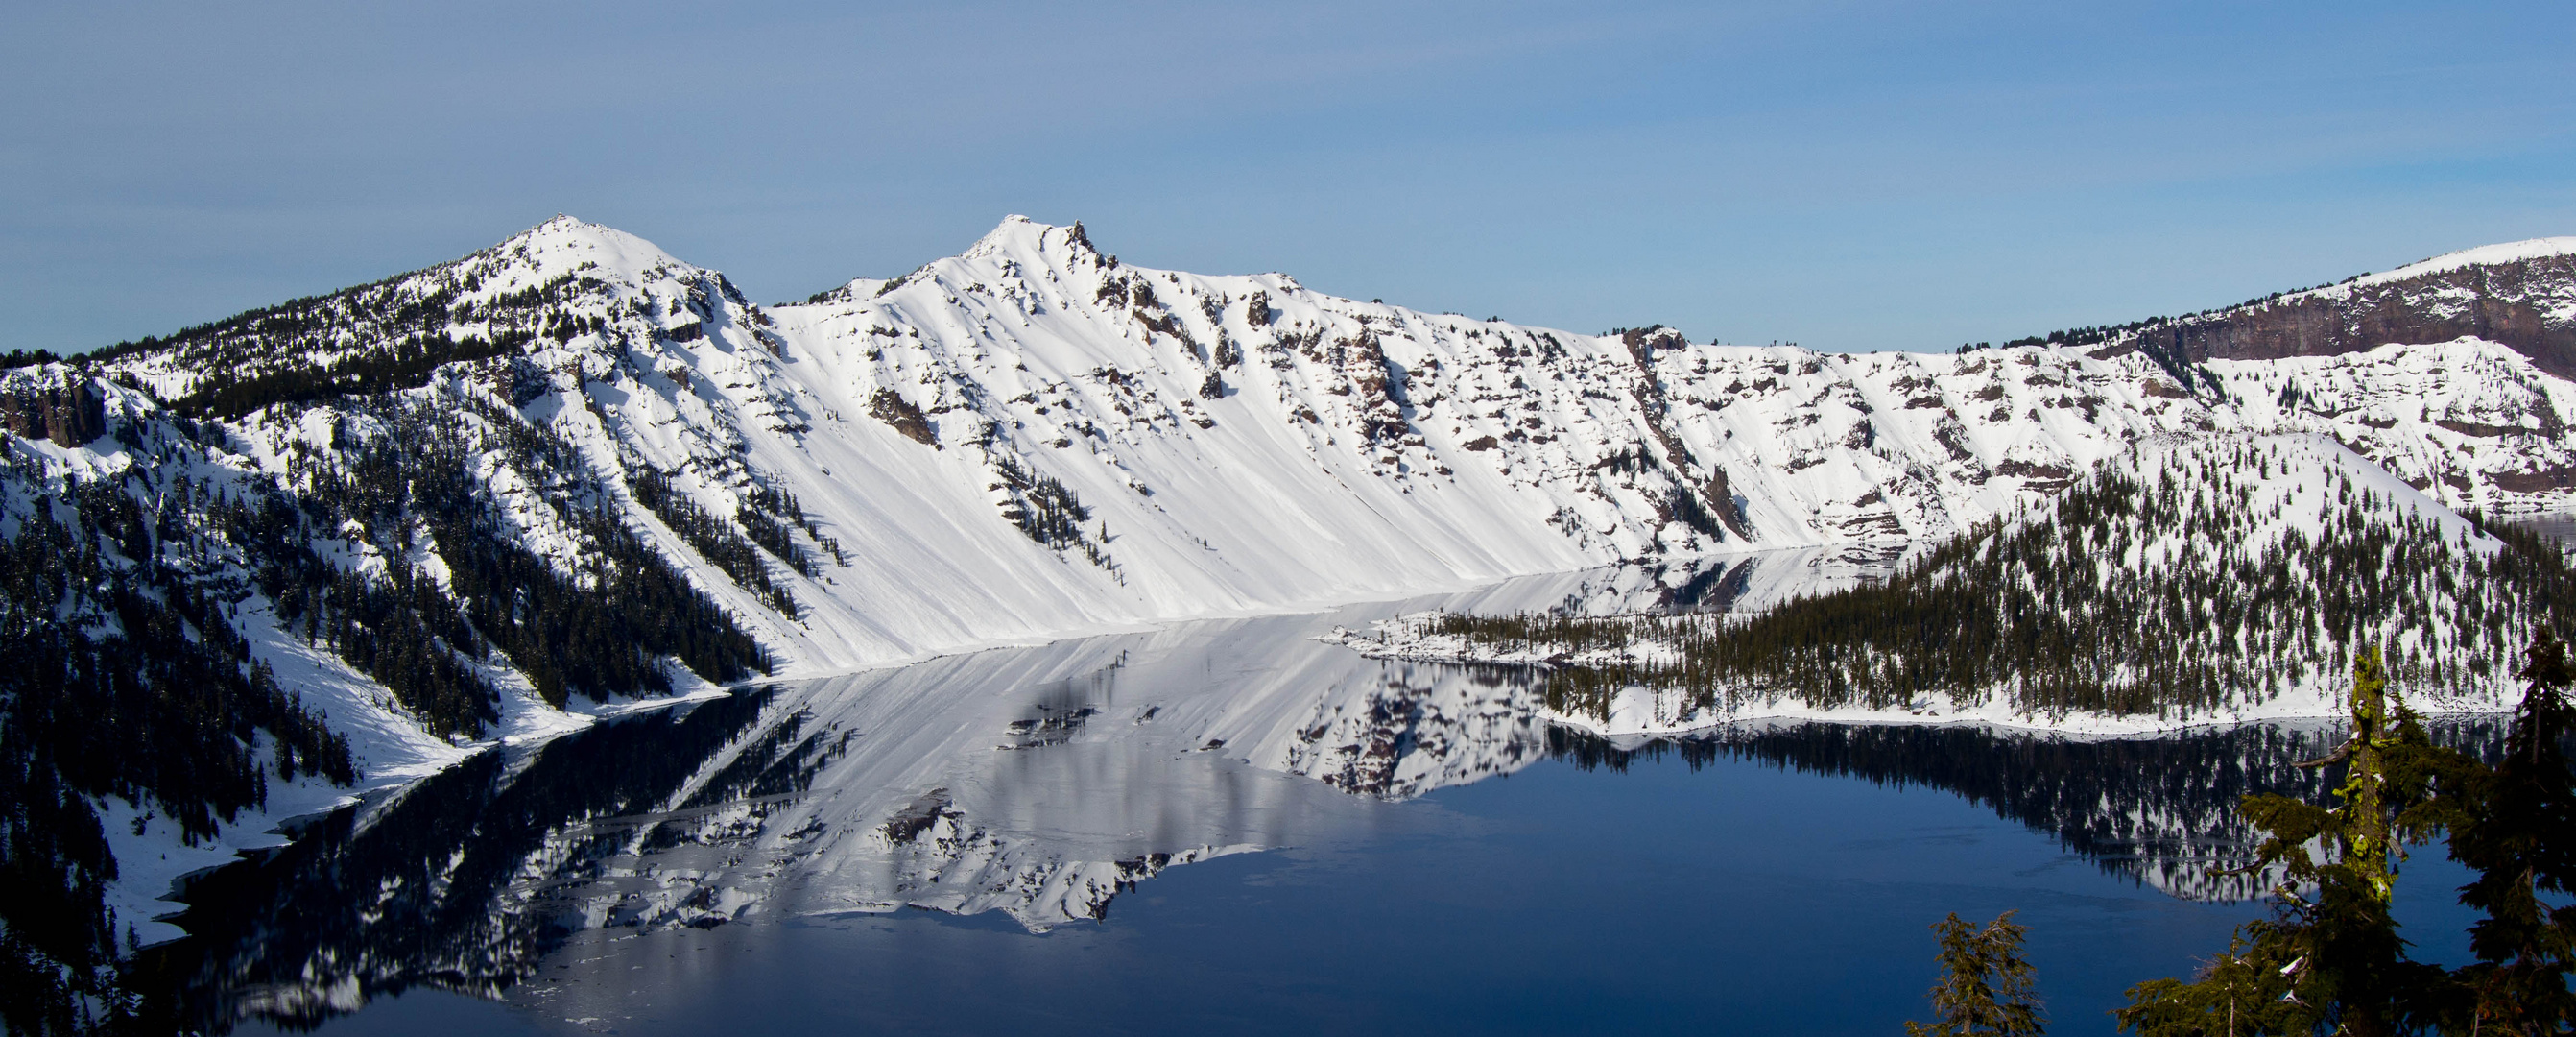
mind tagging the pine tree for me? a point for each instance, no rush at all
(2246, 991)
(2516, 826)
(2331, 957)
(1985, 987)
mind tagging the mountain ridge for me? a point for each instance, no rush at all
(1419, 429)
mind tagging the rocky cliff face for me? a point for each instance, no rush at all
(2521, 295)
(65, 410)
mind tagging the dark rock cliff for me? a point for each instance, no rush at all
(2529, 304)
(69, 412)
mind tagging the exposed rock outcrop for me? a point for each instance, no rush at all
(2521, 295)
(66, 409)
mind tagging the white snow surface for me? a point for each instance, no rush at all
(2554, 299)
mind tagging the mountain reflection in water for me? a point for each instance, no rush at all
(1040, 783)
(2161, 810)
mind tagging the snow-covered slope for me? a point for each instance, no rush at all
(2470, 423)
(2483, 255)
(1239, 444)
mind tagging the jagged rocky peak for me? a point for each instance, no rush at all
(1010, 251)
(1018, 250)
(1018, 236)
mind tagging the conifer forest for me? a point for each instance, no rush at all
(2187, 583)
(124, 674)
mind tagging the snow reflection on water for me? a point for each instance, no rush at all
(1040, 784)
(2559, 527)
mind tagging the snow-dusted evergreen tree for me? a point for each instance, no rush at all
(1986, 988)
(2517, 827)
(2330, 958)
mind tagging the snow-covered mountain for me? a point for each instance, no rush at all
(477, 500)
(1032, 438)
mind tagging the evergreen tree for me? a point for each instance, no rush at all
(2330, 960)
(2516, 827)
(1985, 987)
(2246, 991)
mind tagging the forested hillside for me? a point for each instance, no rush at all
(2189, 581)
(152, 585)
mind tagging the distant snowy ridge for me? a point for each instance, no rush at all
(1235, 444)
(2483, 255)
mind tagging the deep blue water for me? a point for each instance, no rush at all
(1733, 898)
(1009, 842)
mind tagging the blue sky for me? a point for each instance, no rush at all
(1846, 175)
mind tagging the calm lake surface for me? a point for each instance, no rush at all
(1228, 826)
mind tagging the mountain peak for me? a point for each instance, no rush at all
(564, 243)
(1022, 238)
